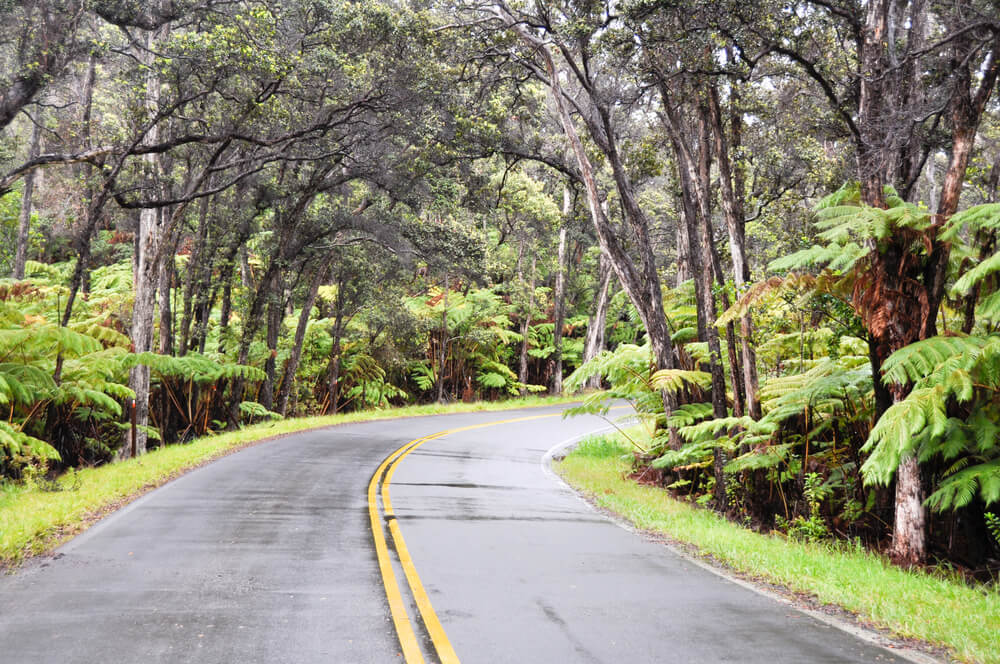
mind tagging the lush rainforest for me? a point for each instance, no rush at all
(770, 225)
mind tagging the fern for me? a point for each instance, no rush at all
(960, 374)
(253, 409)
(770, 456)
(961, 488)
(688, 414)
(674, 380)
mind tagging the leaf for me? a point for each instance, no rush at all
(674, 380)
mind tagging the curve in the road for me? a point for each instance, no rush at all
(407, 635)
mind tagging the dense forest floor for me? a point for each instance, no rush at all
(931, 605)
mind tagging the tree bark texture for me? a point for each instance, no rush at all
(594, 342)
(443, 347)
(560, 300)
(733, 212)
(641, 283)
(24, 222)
(909, 540)
(288, 382)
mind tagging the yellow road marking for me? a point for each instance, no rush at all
(404, 629)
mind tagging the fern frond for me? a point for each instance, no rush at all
(960, 489)
(968, 281)
(767, 456)
(898, 432)
(976, 218)
(688, 414)
(674, 380)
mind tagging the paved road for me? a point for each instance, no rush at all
(267, 556)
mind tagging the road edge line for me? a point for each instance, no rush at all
(873, 637)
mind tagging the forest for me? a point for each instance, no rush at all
(770, 225)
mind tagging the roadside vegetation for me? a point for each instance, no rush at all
(39, 513)
(937, 606)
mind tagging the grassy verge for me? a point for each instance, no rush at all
(911, 604)
(35, 518)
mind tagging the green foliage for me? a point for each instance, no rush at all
(600, 447)
(90, 384)
(194, 367)
(252, 409)
(812, 528)
(949, 415)
(993, 526)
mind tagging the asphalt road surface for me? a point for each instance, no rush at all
(268, 556)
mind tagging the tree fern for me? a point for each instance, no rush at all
(950, 376)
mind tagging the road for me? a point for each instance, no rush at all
(268, 556)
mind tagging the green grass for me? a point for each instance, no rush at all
(35, 519)
(916, 605)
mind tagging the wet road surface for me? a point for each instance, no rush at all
(267, 556)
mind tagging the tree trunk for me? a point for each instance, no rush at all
(732, 207)
(334, 388)
(909, 539)
(194, 283)
(871, 151)
(150, 236)
(522, 374)
(443, 347)
(598, 321)
(275, 315)
(24, 223)
(909, 530)
(165, 284)
(560, 301)
(145, 282)
(292, 366)
(224, 313)
(641, 284)
(694, 177)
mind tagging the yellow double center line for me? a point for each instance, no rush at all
(397, 606)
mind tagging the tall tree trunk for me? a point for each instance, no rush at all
(522, 374)
(594, 343)
(642, 284)
(560, 300)
(145, 261)
(193, 280)
(909, 539)
(275, 315)
(694, 176)
(336, 332)
(443, 347)
(24, 223)
(292, 366)
(733, 211)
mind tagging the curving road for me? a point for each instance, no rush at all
(268, 556)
